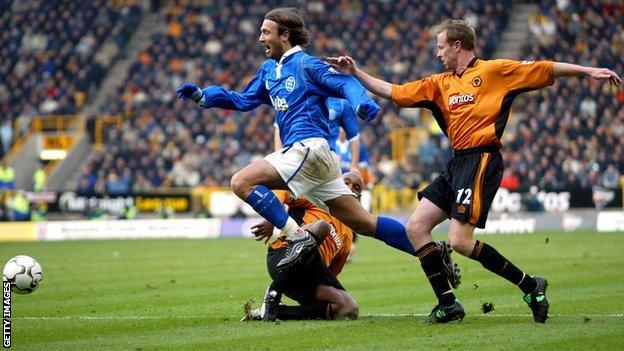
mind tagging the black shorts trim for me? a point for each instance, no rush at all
(475, 150)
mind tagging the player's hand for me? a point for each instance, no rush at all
(343, 64)
(191, 91)
(367, 111)
(262, 230)
(604, 73)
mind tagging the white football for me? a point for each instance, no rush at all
(24, 273)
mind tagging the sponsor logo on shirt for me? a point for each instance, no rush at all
(279, 104)
(335, 237)
(457, 100)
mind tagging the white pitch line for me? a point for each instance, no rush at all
(101, 317)
(389, 315)
(615, 315)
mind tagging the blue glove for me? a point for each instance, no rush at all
(190, 91)
(367, 111)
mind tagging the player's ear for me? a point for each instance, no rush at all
(457, 45)
(286, 35)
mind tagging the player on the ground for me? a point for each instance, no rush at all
(471, 103)
(313, 281)
(297, 85)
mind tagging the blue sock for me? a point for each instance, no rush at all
(268, 206)
(394, 234)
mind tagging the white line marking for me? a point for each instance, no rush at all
(614, 315)
(388, 315)
(101, 317)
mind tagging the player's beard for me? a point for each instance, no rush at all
(275, 51)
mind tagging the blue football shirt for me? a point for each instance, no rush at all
(297, 87)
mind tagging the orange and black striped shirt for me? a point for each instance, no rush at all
(472, 108)
(334, 250)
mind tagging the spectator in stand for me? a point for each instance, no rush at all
(530, 202)
(611, 177)
(510, 180)
(48, 53)
(6, 136)
(578, 123)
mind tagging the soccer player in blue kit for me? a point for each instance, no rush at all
(297, 84)
(341, 115)
(353, 156)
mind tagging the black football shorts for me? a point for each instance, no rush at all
(299, 282)
(467, 186)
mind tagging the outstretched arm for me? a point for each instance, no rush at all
(347, 65)
(254, 95)
(332, 83)
(562, 69)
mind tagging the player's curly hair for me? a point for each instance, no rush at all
(458, 30)
(290, 19)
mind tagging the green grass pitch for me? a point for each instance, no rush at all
(188, 295)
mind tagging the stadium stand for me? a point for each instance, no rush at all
(54, 53)
(162, 142)
(570, 135)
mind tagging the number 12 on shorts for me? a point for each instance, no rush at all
(465, 194)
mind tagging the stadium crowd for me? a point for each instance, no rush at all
(571, 135)
(164, 142)
(54, 53)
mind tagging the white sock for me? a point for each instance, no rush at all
(291, 228)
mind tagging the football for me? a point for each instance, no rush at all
(24, 273)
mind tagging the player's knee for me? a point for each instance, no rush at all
(364, 224)
(461, 245)
(350, 212)
(239, 185)
(418, 229)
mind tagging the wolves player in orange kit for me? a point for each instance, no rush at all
(312, 282)
(471, 103)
